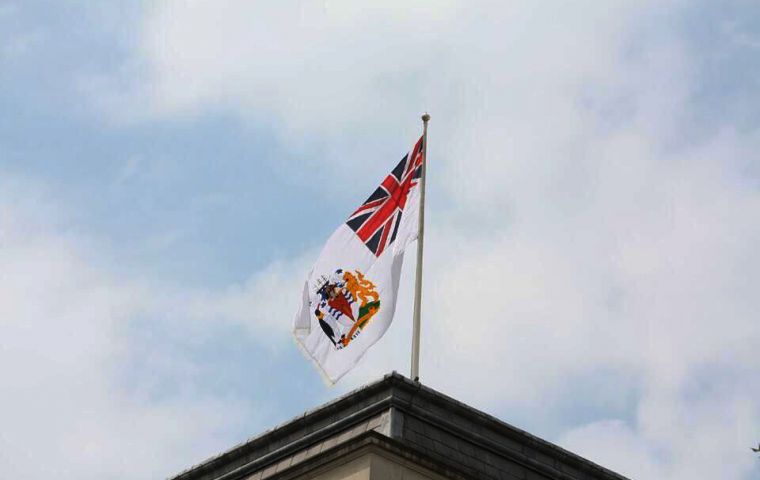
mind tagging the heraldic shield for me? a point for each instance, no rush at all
(343, 304)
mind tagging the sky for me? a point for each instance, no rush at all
(170, 170)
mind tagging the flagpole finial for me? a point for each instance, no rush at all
(425, 117)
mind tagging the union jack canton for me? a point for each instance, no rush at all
(376, 222)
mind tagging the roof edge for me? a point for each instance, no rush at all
(391, 391)
(287, 427)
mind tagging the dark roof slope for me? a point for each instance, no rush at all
(400, 415)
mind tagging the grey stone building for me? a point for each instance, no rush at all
(396, 429)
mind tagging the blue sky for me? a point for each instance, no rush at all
(168, 172)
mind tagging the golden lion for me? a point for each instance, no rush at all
(360, 288)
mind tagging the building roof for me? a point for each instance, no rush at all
(409, 420)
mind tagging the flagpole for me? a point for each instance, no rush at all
(420, 243)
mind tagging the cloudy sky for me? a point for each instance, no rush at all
(169, 171)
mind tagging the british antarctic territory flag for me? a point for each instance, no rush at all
(349, 298)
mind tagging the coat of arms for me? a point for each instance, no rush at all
(344, 303)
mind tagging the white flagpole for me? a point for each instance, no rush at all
(420, 242)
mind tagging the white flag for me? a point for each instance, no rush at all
(350, 295)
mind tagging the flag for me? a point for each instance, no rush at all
(349, 297)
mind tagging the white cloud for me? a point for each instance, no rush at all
(620, 448)
(288, 59)
(263, 304)
(64, 322)
(652, 278)
(705, 437)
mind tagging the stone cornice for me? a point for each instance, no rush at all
(428, 424)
